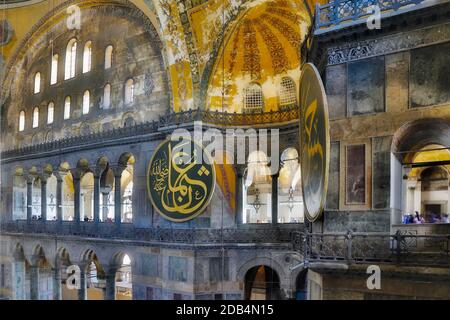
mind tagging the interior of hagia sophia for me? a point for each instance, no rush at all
(132, 70)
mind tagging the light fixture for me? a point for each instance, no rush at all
(257, 204)
(291, 202)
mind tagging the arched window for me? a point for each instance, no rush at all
(288, 94)
(22, 120)
(127, 203)
(108, 56)
(36, 194)
(290, 199)
(87, 57)
(67, 108)
(68, 196)
(54, 71)
(71, 57)
(257, 207)
(253, 100)
(86, 101)
(51, 197)
(19, 197)
(50, 113)
(87, 197)
(129, 91)
(36, 117)
(107, 96)
(126, 183)
(37, 82)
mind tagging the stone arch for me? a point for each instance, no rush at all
(261, 261)
(63, 256)
(102, 162)
(39, 255)
(83, 166)
(262, 280)
(18, 252)
(124, 158)
(88, 256)
(116, 259)
(414, 135)
(410, 140)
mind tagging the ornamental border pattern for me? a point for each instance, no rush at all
(389, 44)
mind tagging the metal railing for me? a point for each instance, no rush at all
(339, 11)
(232, 119)
(211, 117)
(251, 234)
(374, 248)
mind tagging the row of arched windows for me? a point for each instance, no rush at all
(129, 99)
(254, 99)
(70, 63)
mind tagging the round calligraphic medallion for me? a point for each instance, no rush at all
(314, 142)
(180, 179)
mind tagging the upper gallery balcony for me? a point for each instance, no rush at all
(214, 118)
(339, 14)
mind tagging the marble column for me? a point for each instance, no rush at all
(44, 200)
(34, 282)
(239, 196)
(57, 292)
(96, 199)
(105, 206)
(82, 292)
(110, 289)
(275, 199)
(29, 199)
(59, 197)
(77, 199)
(117, 198)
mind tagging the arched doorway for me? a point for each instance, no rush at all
(427, 186)
(262, 283)
(301, 285)
(20, 270)
(40, 276)
(420, 163)
(124, 280)
(65, 291)
(93, 278)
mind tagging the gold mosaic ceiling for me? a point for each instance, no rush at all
(260, 40)
(263, 47)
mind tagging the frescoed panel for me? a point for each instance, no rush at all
(355, 184)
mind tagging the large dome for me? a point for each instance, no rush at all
(262, 48)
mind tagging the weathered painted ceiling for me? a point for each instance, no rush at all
(260, 40)
(263, 47)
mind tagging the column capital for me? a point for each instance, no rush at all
(60, 175)
(118, 169)
(98, 170)
(29, 178)
(240, 169)
(76, 173)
